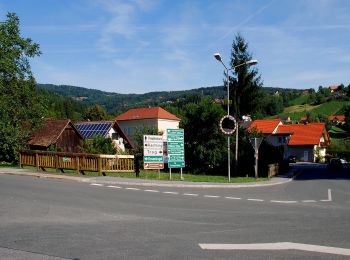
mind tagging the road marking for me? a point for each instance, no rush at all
(211, 196)
(232, 198)
(170, 192)
(114, 187)
(283, 201)
(190, 194)
(132, 189)
(216, 196)
(279, 246)
(329, 195)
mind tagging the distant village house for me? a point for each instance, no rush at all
(150, 117)
(307, 143)
(334, 88)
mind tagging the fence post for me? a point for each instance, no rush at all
(20, 160)
(37, 161)
(77, 164)
(99, 165)
(56, 162)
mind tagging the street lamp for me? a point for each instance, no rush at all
(249, 62)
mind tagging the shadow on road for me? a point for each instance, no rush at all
(312, 171)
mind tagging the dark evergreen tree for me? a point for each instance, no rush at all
(245, 87)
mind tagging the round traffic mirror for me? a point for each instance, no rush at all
(228, 125)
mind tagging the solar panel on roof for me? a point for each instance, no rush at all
(88, 130)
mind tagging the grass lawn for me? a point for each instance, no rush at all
(298, 108)
(325, 109)
(299, 100)
(153, 175)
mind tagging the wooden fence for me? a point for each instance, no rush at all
(80, 162)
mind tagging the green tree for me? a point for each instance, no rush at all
(245, 87)
(95, 113)
(21, 107)
(347, 116)
(99, 145)
(205, 145)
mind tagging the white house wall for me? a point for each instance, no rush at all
(129, 126)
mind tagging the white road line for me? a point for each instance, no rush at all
(152, 190)
(284, 201)
(308, 201)
(132, 189)
(279, 246)
(232, 198)
(211, 196)
(114, 187)
(170, 192)
(255, 199)
(329, 196)
(190, 194)
(96, 184)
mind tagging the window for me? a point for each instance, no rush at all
(282, 139)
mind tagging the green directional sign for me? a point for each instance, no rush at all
(176, 158)
(153, 159)
(176, 164)
(176, 148)
(175, 131)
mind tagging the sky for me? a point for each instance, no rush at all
(140, 46)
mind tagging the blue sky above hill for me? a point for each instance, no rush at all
(139, 46)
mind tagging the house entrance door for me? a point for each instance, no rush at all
(306, 156)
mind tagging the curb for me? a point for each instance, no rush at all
(174, 184)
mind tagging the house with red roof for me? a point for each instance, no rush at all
(307, 143)
(337, 119)
(150, 117)
(333, 88)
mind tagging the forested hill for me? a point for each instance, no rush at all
(116, 103)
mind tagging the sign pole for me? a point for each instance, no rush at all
(256, 157)
(182, 178)
(170, 173)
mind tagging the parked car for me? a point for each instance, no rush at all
(335, 164)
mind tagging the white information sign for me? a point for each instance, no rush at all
(153, 152)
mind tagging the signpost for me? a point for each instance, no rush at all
(256, 142)
(153, 152)
(176, 149)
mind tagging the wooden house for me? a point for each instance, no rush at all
(60, 135)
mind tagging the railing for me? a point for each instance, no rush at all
(80, 162)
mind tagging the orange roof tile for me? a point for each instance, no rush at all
(146, 113)
(333, 87)
(264, 126)
(340, 118)
(309, 134)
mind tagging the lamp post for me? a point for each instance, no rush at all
(249, 62)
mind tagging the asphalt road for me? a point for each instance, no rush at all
(56, 219)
